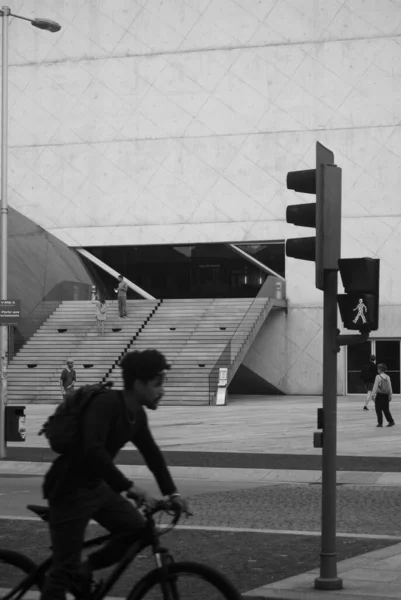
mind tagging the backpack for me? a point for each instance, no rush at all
(62, 428)
(384, 386)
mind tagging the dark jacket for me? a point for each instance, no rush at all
(107, 426)
(369, 372)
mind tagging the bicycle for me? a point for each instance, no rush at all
(162, 582)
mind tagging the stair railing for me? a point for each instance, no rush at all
(232, 348)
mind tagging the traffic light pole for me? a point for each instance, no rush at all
(328, 579)
(325, 250)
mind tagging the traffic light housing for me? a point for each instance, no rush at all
(324, 215)
(359, 306)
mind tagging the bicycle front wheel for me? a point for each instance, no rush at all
(13, 569)
(185, 580)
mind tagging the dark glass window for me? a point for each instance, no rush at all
(358, 356)
(386, 351)
(190, 271)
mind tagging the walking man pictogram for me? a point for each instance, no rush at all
(361, 309)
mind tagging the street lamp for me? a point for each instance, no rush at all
(53, 27)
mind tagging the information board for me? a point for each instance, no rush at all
(10, 312)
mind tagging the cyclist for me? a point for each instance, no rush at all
(88, 485)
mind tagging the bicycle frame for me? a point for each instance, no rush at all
(150, 539)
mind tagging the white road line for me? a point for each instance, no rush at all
(35, 595)
(367, 536)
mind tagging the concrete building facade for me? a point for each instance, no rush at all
(175, 122)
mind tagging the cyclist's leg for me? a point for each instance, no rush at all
(118, 516)
(67, 531)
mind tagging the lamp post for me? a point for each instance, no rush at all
(47, 25)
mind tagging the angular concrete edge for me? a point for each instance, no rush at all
(267, 476)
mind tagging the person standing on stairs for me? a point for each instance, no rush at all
(101, 313)
(68, 378)
(122, 297)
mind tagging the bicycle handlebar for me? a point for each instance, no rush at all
(161, 505)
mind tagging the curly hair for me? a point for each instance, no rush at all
(145, 366)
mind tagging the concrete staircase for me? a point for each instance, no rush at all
(193, 334)
(168, 330)
(34, 373)
(198, 336)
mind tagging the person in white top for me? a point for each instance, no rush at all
(101, 313)
(382, 395)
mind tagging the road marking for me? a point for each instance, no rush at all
(35, 595)
(367, 536)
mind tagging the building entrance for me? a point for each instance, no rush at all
(386, 351)
(196, 271)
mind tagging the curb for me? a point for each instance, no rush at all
(371, 586)
(267, 476)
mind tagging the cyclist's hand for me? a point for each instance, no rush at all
(140, 496)
(180, 504)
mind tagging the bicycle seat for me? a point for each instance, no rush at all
(41, 511)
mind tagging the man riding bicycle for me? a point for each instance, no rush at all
(87, 485)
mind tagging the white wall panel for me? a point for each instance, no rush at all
(145, 121)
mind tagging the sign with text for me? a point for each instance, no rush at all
(223, 375)
(10, 312)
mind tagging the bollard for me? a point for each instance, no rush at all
(279, 290)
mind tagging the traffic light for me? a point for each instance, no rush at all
(324, 215)
(359, 306)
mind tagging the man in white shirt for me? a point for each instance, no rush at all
(382, 394)
(68, 378)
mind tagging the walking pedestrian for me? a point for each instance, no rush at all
(68, 378)
(122, 297)
(101, 313)
(368, 376)
(382, 394)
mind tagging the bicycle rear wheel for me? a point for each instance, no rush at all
(13, 569)
(185, 580)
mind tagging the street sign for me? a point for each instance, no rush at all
(221, 396)
(10, 312)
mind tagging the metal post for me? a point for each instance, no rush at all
(328, 579)
(3, 226)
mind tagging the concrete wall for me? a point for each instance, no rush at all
(41, 271)
(176, 121)
(289, 348)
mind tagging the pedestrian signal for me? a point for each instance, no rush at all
(358, 311)
(359, 306)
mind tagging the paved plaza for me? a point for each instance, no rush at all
(271, 425)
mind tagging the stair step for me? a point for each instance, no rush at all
(194, 334)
